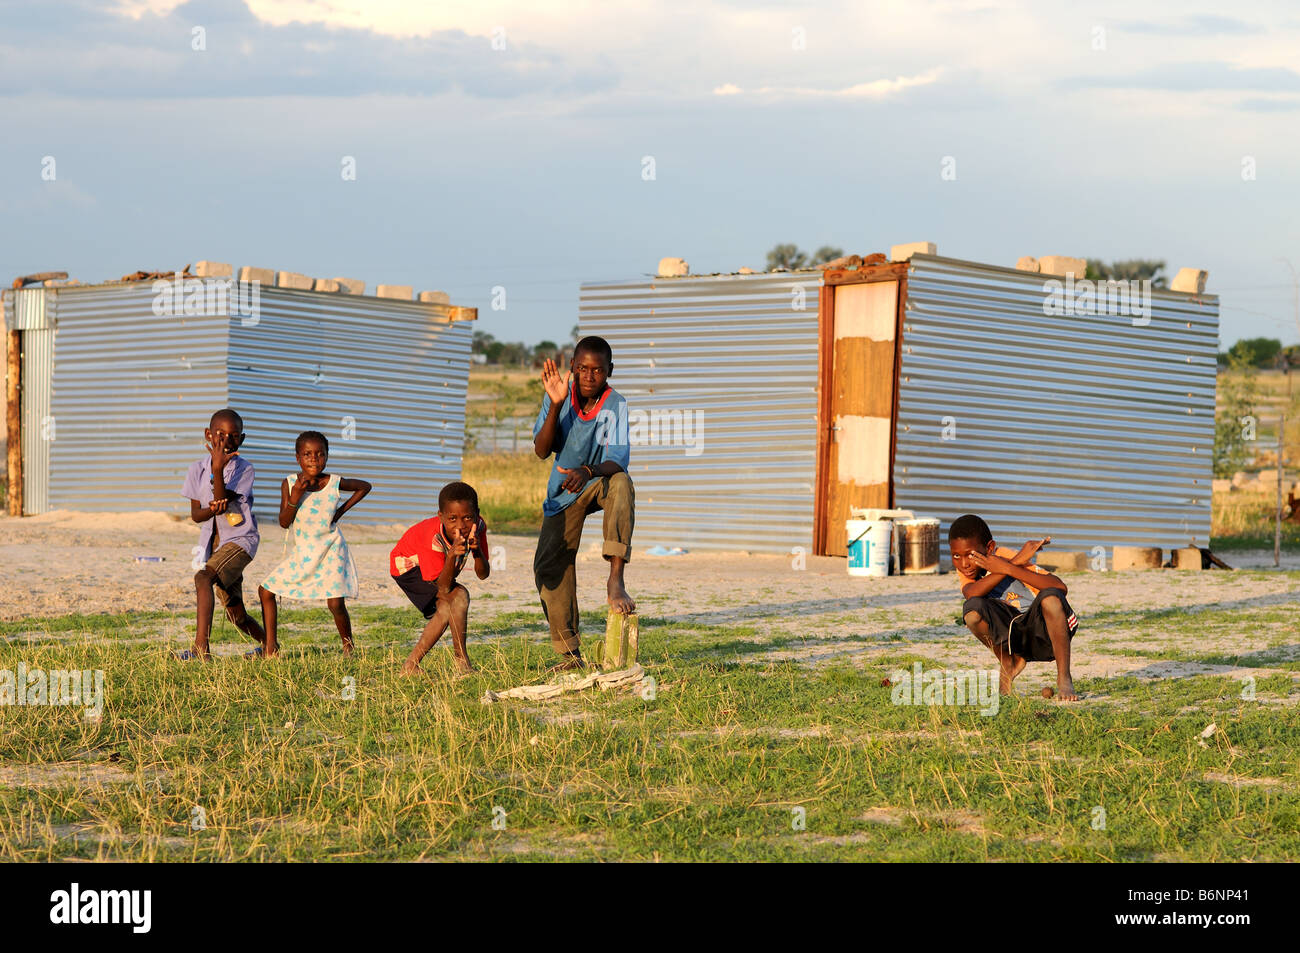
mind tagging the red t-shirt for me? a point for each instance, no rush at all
(425, 544)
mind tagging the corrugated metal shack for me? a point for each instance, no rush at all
(931, 384)
(119, 380)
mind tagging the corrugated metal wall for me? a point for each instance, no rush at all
(384, 380)
(1086, 428)
(33, 315)
(132, 392)
(742, 351)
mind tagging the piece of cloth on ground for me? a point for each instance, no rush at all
(574, 683)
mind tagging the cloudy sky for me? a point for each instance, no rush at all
(504, 143)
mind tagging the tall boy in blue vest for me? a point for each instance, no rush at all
(583, 422)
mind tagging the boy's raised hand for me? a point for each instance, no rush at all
(459, 544)
(218, 446)
(472, 543)
(557, 388)
(1034, 545)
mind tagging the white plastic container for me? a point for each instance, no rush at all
(869, 545)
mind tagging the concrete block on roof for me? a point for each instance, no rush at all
(213, 269)
(435, 297)
(400, 292)
(291, 279)
(326, 284)
(1027, 263)
(904, 252)
(1063, 265)
(1189, 281)
(350, 286)
(263, 276)
(673, 268)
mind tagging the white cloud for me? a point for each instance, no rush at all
(875, 89)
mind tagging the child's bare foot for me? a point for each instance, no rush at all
(1065, 690)
(1009, 672)
(410, 668)
(463, 668)
(619, 600)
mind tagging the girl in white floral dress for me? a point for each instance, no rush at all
(319, 566)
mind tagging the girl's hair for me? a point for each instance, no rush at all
(311, 435)
(458, 492)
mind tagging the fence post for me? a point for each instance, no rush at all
(1277, 512)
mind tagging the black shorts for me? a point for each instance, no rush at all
(422, 592)
(1022, 633)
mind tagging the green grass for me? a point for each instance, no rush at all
(511, 488)
(710, 769)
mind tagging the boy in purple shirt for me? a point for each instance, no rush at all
(220, 490)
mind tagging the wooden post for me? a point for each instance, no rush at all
(14, 422)
(1277, 513)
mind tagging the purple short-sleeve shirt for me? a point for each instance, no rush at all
(238, 477)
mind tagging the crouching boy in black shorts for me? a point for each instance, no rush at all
(425, 563)
(997, 584)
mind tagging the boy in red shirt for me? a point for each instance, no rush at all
(1018, 610)
(426, 561)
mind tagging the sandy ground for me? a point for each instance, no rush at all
(65, 562)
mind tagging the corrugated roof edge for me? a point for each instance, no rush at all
(1032, 275)
(1009, 271)
(453, 312)
(809, 273)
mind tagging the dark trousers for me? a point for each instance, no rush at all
(557, 549)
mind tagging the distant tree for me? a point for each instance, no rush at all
(1238, 393)
(516, 352)
(785, 256)
(493, 351)
(1256, 352)
(824, 254)
(1132, 269)
(544, 349)
(792, 259)
(575, 335)
(481, 342)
